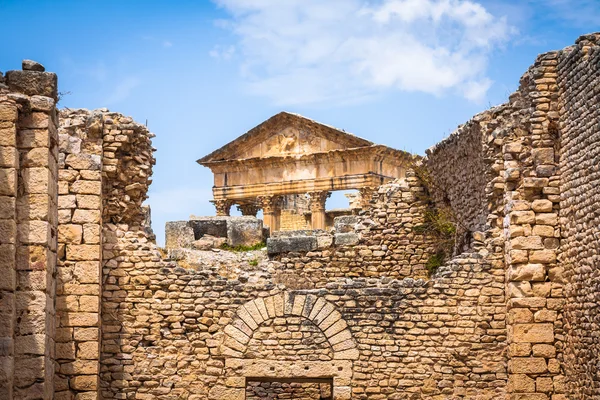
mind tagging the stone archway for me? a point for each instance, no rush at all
(252, 314)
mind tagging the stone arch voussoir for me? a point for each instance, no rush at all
(316, 309)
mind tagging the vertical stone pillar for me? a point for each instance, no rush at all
(249, 209)
(9, 164)
(271, 206)
(317, 207)
(366, 194)
(36, 233)
(223, 207)
(79, 272)
(534, 283)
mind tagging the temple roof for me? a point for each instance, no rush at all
(285, 134)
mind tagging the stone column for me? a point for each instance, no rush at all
(36, 239)
(317, 207)
(9, 164)
(223, 207)
(366, 194)
(250, 209)
(271, 206)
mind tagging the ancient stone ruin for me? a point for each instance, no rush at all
(473, 275)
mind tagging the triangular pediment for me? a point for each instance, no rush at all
(286, 134)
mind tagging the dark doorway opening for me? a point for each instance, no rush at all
(289, 388)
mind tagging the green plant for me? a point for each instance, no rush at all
(434, 262)
(241, 249)
(253, 262)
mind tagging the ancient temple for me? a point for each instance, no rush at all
(288, 157)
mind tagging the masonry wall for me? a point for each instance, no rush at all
(28, 186)
(579, 82)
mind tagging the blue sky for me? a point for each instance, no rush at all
(403, 73)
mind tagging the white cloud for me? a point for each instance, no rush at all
(311, 51)
(222, 52)
(167, 43)
(122, 90)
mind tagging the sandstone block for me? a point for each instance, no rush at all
(86, 187)
(33, 83)
(527, 243)
(88, 202)
(8, 231)
(87, 350)
(544, 206)
(527, 272)
(527, 365)
(86, 216)
(83, 252)
(79, 319)
(83, 161)
(521, 383)
(7, 207)
(546, 219)
(533, 333)
(8, 157)
(8, 182)
(70, 234)
(84, 382)
(34, 232)
(543, 256)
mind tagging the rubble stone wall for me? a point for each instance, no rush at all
(579, 82)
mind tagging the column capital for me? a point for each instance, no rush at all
(318, 199)
(269, 203)
(249, 208)
(223, 207)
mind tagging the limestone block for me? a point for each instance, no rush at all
(83, 161)
(346, 239)
(527, 243)
(237, 334)
(37, 157)
(8, 182)
(527, 272)
(36, 180)
(542, 205)
(86, 216)
(87, 350)
(8, 157)
(543, 155)
(543, 256)
(521, 383)
(33, 83)
(522, 217)
(546, 219)
(89, 202)
(83, 252)
(86, 187)
(66, 201)
(30, 138)
(520, 289)
(34, 232)
(244, 231)
(79, 319)
(276, 245)
(91, 233)
(34, 206)
(533, 333)
(30, 370)
(8, 112)
(84, 382)
(70, 234)
(222, 392)
(79, 367)
(527, 365)
(31, 344)
(8, 231)
(544, 350)
(7, 207)
(8, 134)
(178, 235)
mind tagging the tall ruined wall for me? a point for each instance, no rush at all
(456, 175)
(579, 81)
(28, 214)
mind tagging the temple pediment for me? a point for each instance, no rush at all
(286, 134)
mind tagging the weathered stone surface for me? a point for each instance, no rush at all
(277, 245)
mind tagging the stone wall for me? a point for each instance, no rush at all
(28, 215)
(91, 308)
(579, 83)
